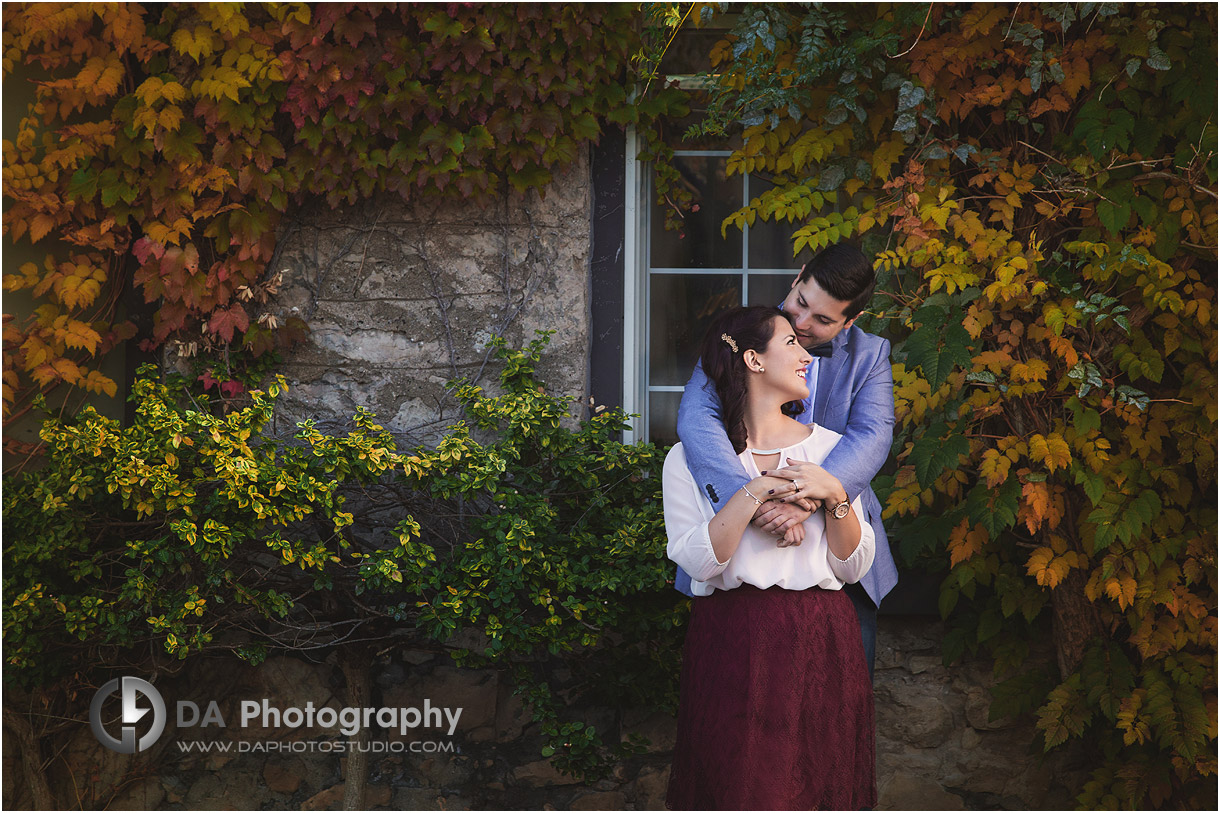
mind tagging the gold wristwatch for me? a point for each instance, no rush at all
(839, 511)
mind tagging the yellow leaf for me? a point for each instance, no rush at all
(1058, 453)
(96, 382)
(994, 467)
(1038, 450)
(170, 118)
(80, 336)
(149, 90)
(1121, 589)
(1032, 370)
(885, 156)
(66, 370)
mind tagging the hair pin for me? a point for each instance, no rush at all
(729, 340)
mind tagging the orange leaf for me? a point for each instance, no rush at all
(67, 370)
(40, 225)
(965, 544)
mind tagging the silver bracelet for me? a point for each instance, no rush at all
(752, 497)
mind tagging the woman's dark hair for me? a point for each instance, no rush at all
(750, 328)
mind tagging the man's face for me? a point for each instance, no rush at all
(819, 316)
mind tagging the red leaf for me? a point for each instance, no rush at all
(225, 321)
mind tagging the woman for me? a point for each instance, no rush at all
(776, 707)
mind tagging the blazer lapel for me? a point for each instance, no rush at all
(828, 371)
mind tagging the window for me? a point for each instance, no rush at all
(693, 274)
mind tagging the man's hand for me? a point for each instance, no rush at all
(776, 517)
(793, 537)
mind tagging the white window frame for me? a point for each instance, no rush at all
(637, 213)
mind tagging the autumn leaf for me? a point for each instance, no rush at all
(965, 544)
(225, 321)
(1047, 569)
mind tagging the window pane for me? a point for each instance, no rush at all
(674, 130)
(682, 306)
(690, 52)
(700, 244)
(769, 289)
(663, 417)
(770, 242)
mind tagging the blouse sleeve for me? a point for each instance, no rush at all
(853, 568)
(686, 521)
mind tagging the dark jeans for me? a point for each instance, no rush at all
(866, 611)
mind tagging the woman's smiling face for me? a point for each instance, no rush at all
(784, 362)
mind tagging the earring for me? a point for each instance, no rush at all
(762, 369)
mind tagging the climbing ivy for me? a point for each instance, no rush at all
(1038, 184)
(166, 143)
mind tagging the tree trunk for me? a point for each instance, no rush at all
(356, 664)
(1076, 623)
(31, 760)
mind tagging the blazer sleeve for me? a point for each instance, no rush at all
(711, 458)
(869, 433)
(686, 520)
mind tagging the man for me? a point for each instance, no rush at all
(851, 392)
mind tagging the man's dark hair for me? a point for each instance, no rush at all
(845, 273)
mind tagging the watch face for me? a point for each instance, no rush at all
(841, 510)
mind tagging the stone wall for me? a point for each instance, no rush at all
(936, 748)
(402, 298)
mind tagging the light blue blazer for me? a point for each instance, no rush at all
(855, 397)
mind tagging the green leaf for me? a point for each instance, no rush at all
(1113, 216)
(938, 449)
(1093, 484)
(1157, 59)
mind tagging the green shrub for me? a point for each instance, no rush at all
(200, 532)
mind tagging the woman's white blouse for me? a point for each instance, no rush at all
(758, 560)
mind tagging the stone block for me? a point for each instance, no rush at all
(474, 692)
(451, 771)
(905, 791)
(978, 712)
(281, 777)
(542, 773)
(607, 800)
(329, 799)
(511, 714)
(913, 711)
(332, 798)
(649, 788)
(428, 799)
(918, 664)
(208, 792)
(660, 729)
(147, 794)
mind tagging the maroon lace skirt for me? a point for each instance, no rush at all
(776, 707)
